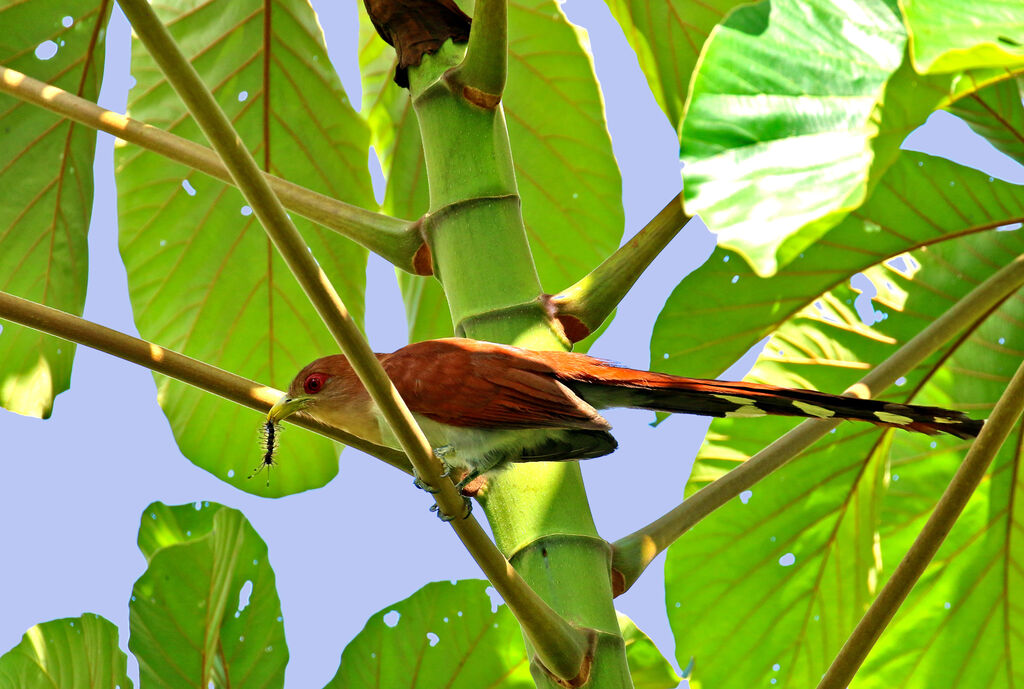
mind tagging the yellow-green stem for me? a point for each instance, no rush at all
(583, 307)
(398, 241)
(241, 390)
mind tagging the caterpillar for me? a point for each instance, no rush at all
(268, 439)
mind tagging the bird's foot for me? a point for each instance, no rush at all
(421, 484)
(440, 453)
(443, 452)
(448, 517)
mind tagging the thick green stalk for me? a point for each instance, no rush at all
(539, 513)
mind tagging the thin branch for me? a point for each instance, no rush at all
(481, 75)
(397, 241)
(1005, 414)
(583, 307)
(560, 646)
(633, 553)
(241, 390)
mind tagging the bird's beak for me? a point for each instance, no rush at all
(286, 406)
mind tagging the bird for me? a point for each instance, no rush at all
(484, 405)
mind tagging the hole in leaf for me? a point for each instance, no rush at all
(46, 50)
(243, 595)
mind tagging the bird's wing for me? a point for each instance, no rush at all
(467, 383)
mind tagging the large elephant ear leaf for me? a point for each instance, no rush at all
(46, 175)
(568, 179)
(203, 277)
(831, 524)
(778, 83)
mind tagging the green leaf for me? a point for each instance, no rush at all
(996, 113)
(922, 200)
(167, 525)
(46, 174)
(70, 653)
(206, 608)
(203, 277)
(807, 547)
(447, 634)
(949, 35)
(778, 84)
(568, 179)
(648, 667)
(961, 621)
(455, 636)
(668, 37)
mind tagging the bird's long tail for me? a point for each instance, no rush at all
(611, 386)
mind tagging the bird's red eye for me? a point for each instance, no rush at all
(314, 383)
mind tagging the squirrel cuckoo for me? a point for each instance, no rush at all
(482, 404)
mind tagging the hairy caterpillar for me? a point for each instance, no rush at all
(268, 439)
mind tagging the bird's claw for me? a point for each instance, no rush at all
(448, 517)
(442, 454)
(421, 484)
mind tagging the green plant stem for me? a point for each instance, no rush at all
(539, 514)
(186, 369)
(1005, 414)
(397, 241)
(481, 74)
(633, 553)
(550, 628)
(583, 307)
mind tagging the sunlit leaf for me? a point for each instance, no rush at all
(206, 611)
(203, 277)
(779, 84)
(46, 174)
(949, 35)
(568, 179)
(72, 653)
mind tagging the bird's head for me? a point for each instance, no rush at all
(325, 389)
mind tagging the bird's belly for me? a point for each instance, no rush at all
(476, 448)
